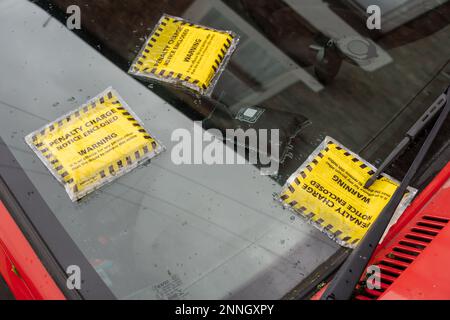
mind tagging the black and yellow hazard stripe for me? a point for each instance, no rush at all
(159, 72)
(39, 138)
(54, 163)
(149, 46)
(128, 160)
(355, 159)
(292, 187)
(134, 157)
(222, 54)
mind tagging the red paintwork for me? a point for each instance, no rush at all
(427, 276)
(421, 200)
(33, 281)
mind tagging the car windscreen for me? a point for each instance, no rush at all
(197, 231)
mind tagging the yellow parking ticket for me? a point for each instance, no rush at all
(94, 144)
(186, 54)
(328, 190)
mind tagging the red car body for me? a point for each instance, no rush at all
(414, 256)
(21, 268)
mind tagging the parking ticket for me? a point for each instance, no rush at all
(328, 190)
(186, 54)
(94, 144)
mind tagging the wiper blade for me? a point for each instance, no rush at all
(423, 121)
(348, 276)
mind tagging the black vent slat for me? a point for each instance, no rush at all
(437, 219)
(425, 231)
(432, 225)
(385, 278)
(401, 257)
(406, 251)
(393, 264)
(421, 238)
(388, 270)
(412, 244)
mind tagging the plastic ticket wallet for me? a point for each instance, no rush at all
(185, 54)
(94, 144)
(328, 190)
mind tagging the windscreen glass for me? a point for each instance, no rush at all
(173, 229)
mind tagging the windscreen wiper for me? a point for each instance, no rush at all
(348, 276)
(423, 121)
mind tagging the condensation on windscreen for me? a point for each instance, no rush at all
(175, 232)
(162, 231)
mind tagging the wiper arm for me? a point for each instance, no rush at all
(424, 120)
(348, 276)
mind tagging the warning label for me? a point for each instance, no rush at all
(329, 190)
(182, 52)
(94, 144)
